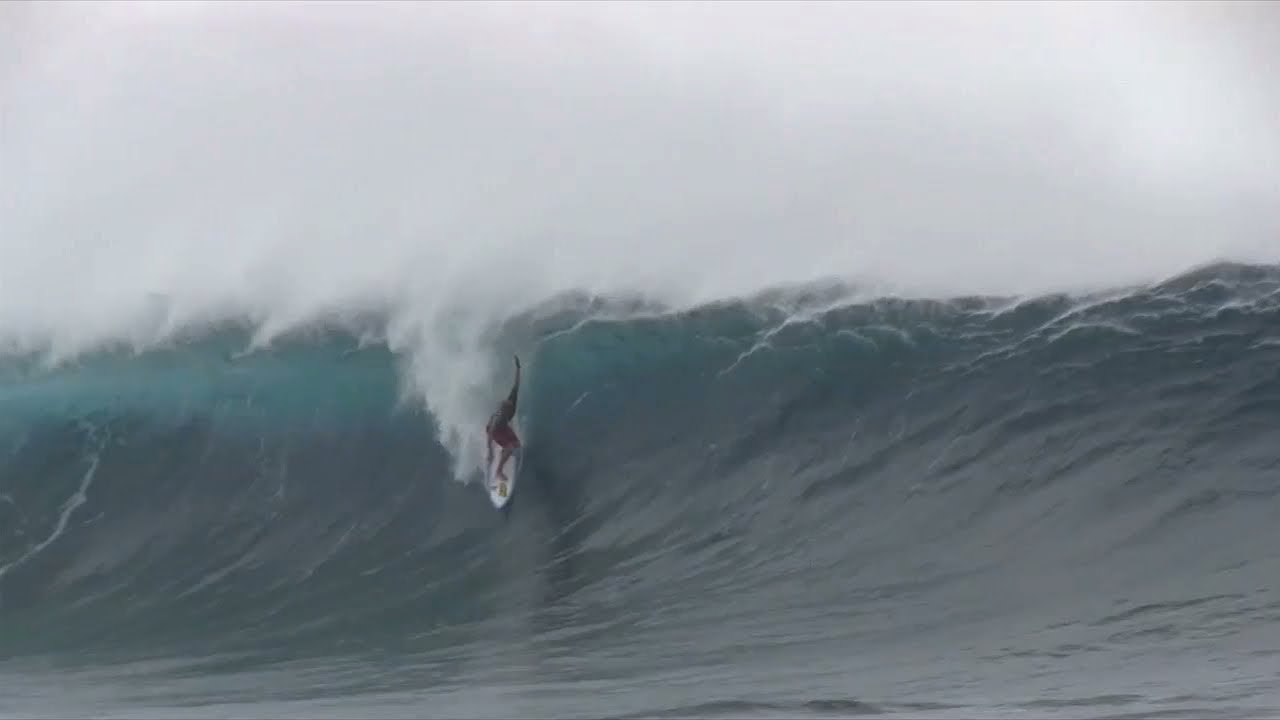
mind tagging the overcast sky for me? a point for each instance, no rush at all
(281, 157)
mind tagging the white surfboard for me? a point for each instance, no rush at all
(500, 490)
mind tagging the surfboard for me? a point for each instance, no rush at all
(500, 491)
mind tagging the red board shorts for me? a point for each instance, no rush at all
(505, 437)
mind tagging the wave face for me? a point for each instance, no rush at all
(793, 504)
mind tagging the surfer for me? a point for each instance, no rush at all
(499, 428)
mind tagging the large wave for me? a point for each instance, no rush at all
(287, 502)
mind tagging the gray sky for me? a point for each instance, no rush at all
(283, 157)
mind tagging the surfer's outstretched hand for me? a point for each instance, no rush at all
(517, 357)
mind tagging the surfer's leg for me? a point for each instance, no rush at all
(502, 462)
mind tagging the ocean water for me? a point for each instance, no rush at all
(797, 504)
(881, 359)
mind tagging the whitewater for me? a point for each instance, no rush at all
(880, 359)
